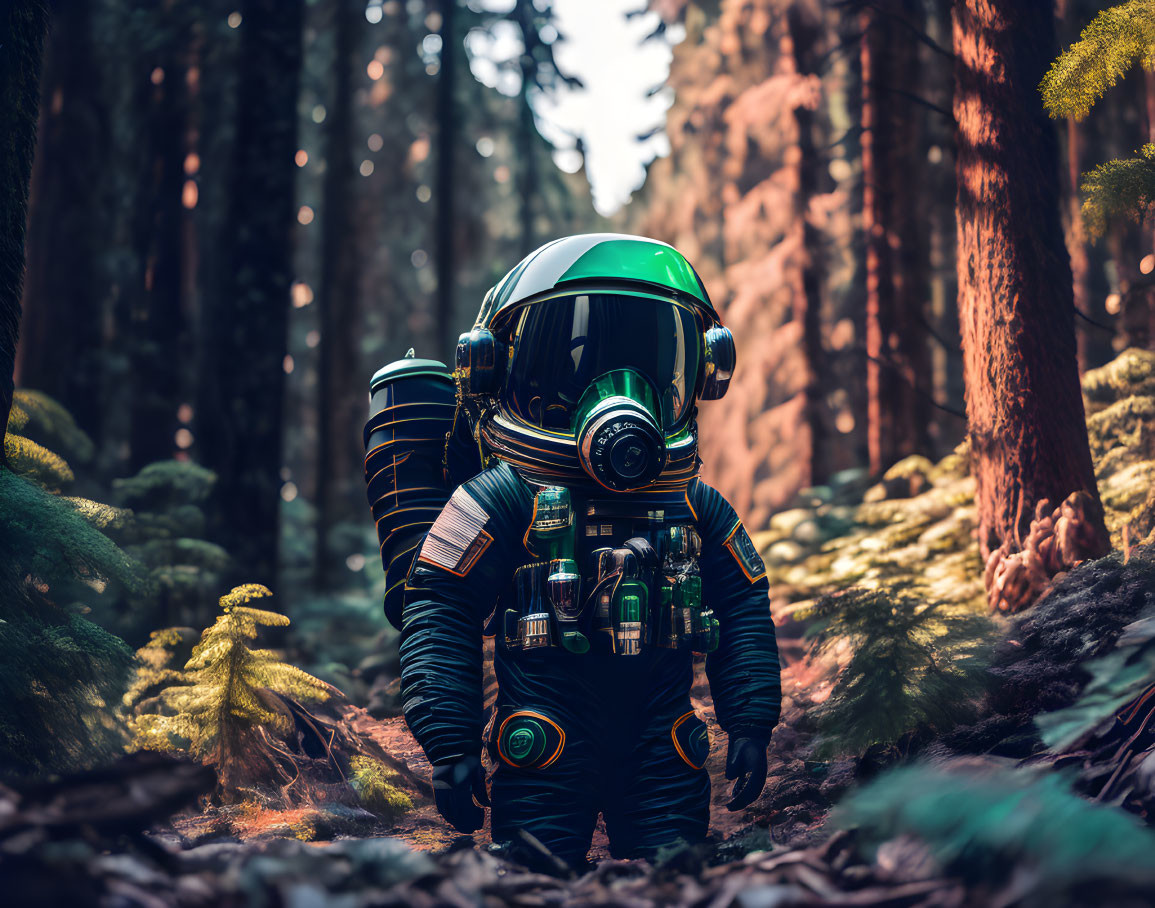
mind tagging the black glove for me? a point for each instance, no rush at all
(459, 789)
(746, 762)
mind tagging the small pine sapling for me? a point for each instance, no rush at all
(913, 665)
(221, 711)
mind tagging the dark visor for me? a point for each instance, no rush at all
(561, 345)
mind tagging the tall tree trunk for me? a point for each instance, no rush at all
(337, 403)
(22, 25)
(893, 164)
(64, 226)
(238, 414)
(155, 330)
(806, 37)
(1026, 424)
(527, 178)
(447, 139)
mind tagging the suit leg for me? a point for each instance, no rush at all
(665, 791)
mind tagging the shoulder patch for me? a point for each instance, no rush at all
(741, 546)
(457, 539)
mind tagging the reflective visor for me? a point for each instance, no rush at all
(561, 345)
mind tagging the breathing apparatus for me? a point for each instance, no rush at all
(582, 371)
(587, 360)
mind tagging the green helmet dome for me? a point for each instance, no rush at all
(631, 264)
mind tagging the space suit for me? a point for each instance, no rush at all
(588, 547)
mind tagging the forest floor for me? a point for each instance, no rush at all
(1038, 791)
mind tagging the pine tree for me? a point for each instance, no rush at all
(914, 665)
(1025, 420)
(1116, 40)
(220, 709)
(62, 675)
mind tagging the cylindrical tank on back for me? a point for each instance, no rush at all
(412, 461)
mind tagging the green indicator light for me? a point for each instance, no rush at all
(524, 741)
(520, 743)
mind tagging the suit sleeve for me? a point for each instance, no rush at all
(743, 671)
(464, 562)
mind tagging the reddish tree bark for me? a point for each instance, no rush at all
(806, 38)
(1027, 428)
(898, 368)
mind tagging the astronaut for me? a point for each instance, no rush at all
(598, 560)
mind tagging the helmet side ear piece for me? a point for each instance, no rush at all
(718, 362)
(480, 361)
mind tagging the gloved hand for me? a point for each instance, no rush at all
(459, 789)
(746, 762)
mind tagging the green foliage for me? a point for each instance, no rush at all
(164, 484)
(985, 824)
(155, 668)
(1116, 40)
(1116, 679)
(164, 535)
(1130, 374)
(913, 665)
(218, 704)
(36, 462)
(100, 515)
(1119, 188)
(43, 419)
(60, 677)
(43, 537)
(373, 782)
(182, 552)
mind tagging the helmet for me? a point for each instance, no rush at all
(593, 352)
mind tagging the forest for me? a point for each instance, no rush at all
(926, 224)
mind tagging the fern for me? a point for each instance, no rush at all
(1109, 46)
(913, 665)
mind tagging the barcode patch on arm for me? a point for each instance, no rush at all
(457, 539)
